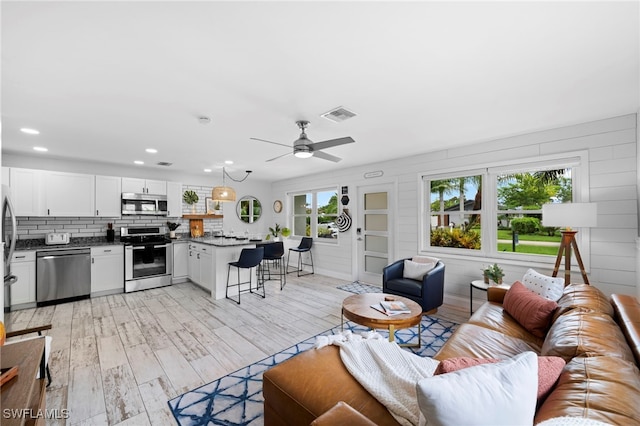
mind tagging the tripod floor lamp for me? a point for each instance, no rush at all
(579, 215)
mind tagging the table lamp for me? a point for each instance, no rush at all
(566, 215)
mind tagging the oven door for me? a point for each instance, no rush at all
(150, 262)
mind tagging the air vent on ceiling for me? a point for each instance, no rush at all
(164, 163)
(338, 114)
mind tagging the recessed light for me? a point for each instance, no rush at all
(40, 149)
(29, 131)
(228, 162)
(151, 150)
(207, 170)
(139, 162)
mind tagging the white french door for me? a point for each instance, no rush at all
(374, 236)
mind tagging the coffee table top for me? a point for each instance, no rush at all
(357, 308)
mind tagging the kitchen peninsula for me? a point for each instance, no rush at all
(208, 259)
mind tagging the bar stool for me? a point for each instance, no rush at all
(273, 256)
(304, 247)
(249, 258)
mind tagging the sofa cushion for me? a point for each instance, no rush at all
(474, 341)
(627, 316)
(406, 286)
(601, 388)
(548, 287)
(532, 311)
(549, 369)
(503, 393)
(583, 296)
(582, 332)
(494, 317)
(416, 271)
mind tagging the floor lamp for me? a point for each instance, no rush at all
(579, 215)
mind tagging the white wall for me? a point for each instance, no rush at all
(611, 145)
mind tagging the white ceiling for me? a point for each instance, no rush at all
(105, 80)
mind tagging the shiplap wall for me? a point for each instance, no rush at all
(611, 144)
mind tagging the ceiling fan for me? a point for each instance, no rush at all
(303, 147)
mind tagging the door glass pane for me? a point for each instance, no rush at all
(374, 264)
(375, 243)
(375, 200)
(375, 222)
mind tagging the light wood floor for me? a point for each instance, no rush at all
(118, 359)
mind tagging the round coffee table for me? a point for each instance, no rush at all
(357, 308)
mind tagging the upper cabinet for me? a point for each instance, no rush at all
(26, 192)
(69, 194)
(108, 193)
(144, 186)
(174, 199)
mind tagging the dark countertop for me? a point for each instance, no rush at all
(38, 243)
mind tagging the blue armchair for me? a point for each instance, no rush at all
(428, 293)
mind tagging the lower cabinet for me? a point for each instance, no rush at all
(23, 266)
(200, 261)
(180, 261)
(107, 269)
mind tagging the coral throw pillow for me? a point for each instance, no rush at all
(549, 369)
(532, 311)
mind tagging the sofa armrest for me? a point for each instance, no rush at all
(342, 414)
(496, 294)
(435, 276)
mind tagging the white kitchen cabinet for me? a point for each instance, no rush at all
(201, 265)
(144, 186)
(107, 269)
(26, 192)
(23, 266)
(108, 193)
(174, 199)
(180, 261)
(69, 194)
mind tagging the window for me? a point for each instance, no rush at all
(497, 211)
(456, 210)
(315, 214)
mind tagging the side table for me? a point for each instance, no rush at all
(480, 285)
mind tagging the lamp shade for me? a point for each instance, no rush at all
(223, 193)
(576, 215)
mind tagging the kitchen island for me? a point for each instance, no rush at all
(208, 262)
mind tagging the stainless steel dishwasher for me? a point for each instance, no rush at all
(62, 274)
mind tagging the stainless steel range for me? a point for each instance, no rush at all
(148, 258)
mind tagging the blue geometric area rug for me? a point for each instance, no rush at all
(236, 399)
(358, 288)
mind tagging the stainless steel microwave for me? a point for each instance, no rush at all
(144, 204)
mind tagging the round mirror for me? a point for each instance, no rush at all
(249, 209)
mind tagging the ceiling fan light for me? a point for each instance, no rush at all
(223, 193)
(303, 154)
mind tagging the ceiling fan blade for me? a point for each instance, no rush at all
(330, 143)
(275, 143)
(325, 156)
(279, 156)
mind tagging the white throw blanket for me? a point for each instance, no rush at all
(386, 371)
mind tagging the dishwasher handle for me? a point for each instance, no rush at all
(48, 254)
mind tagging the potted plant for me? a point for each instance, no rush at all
(276, 231)
(493, 273)
(172, 229)
(191, 198)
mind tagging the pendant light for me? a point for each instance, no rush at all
(226, 193)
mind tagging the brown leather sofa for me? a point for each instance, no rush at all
(598, 338)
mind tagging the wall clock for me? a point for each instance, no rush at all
(277, 206)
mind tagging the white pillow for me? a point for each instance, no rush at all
(425, 259)
(572, 421)
(415, 270)
(504, 393)
(548, 287)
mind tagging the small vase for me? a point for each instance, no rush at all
(486, 279)
(193, 209)
(172, 234)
